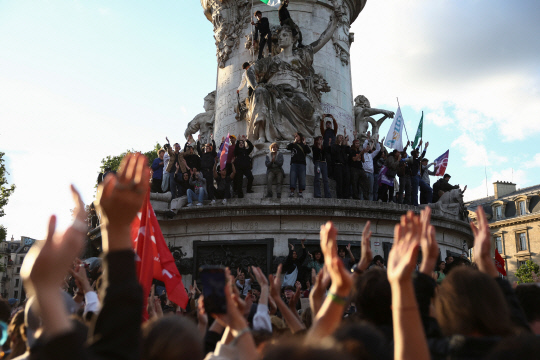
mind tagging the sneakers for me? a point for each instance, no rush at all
(300, 195)
(213, 202)
(190, 204)
(224, 202)
(199, 204)
(291, 195)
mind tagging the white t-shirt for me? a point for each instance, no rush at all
(244, 288)
(166, 158)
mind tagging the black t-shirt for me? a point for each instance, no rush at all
(222, 183)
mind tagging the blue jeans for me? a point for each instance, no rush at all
(321, 165)
(426, 193)
(173, 185)
(415, 180)
(201, 196)
(298, 173)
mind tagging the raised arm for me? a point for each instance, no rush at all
(327, 34)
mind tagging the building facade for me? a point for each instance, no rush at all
(514, 220)
(12, 255)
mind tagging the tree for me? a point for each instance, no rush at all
(524, 272)
(113, 162)
(5, 192)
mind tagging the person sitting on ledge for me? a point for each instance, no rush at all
(442, 186)
(242, 163)
(223, 181)
(199, 188)
(299, 151)
(274, 169)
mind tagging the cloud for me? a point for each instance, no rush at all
(517, 176)
(535, 162)
(474, 153)
(444, 53)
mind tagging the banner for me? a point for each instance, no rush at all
(224, 152)
(153, 257)
(499, 263)
(419, 132)
(272, 3)
(394, 138)
(441, 163)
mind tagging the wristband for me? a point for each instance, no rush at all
(238, 334)
(340, 300)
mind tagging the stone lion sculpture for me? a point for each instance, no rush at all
(451, 203)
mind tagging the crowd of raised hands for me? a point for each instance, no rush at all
(458, 319)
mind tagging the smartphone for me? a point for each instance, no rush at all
(213, 282)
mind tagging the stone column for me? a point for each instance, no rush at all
(232, 30)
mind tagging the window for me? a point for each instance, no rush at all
(21, 259)
(521, 262)
(18, 270)
(16, 294)
(522, 208)
(498, 213)
(522, 241)
(498, 244)
(16, 283)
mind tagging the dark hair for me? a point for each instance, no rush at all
(373, 297)
(245, 65)
(438, 266)
(258, 12)
(458, 310)
(378, 257)
(292, 351)
(529, 298)
(362, 341)
(447, 176)
(168, 338)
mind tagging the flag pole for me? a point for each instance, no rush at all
(403, 122)
(252, 37)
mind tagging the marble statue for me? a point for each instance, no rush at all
(362, 118)
(343, 38)
(203, 122)
(287, 92)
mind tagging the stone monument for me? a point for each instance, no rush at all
(203, 122)
(293, 87)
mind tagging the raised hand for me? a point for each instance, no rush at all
(482, 244)
(120, 196)
(402, 257)
(341, 278)
(302, 242)
(292, 246)
(275, 283)
(428, 243)
(366, 254)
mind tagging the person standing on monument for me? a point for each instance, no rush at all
(285, 19)
(262, 26)
(223, 181)
(340, 153)
(176, 157)
(329, 132)
(242, 163)
(243, 83)
(274, 169)
(369, 166)
(157, 175)
(425, 179)
(208, 155)
(415, 166)
(359, 179)
(320, 167)
(299, 150)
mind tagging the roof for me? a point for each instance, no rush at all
(490, 199)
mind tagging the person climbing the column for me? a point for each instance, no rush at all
(243, 83)
(285, 19)
(262, 26)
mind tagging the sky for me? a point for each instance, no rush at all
(80, 80)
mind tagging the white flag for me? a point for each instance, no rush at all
(394, 138)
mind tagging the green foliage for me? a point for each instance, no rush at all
(5, 189)
(524, 272)
(3, 233)
(114, 161)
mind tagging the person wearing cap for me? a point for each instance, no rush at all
(243, 83)
(425, 180)
(441, 186)
(157, 175)
(262, 26)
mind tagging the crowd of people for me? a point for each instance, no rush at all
(365, 171)
(397, 308)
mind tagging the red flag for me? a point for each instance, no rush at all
(441, 163)
(224, 153)
(154, 259)
(499, 263)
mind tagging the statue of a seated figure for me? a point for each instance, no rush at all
(287, 92)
